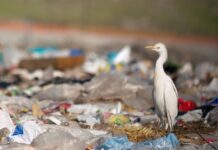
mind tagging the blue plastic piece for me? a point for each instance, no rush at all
(213, 102)
(113, 67)
(18, 130)
(168, 142)
(111, 56)
(42, 50)
(76, 52)
(116, 143)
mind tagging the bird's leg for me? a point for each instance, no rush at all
(158, 125)
(158, 122)
(165, 124)
(162, 123)
(168, 128)
(169, 123)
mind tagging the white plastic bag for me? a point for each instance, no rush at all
(124, 56)
(5, 121)
(30, 131)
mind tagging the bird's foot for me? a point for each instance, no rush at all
(161, 126)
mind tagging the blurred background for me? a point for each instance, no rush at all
(198, 17)
(189, 27)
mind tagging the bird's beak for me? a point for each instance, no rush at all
(149, 47)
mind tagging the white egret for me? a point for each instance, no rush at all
(164, 94)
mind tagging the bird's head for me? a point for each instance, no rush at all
(159, 47)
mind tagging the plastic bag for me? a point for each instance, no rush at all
(187, 105)
(25, 133)
(124, 56)
(194, 115)
(5, 121)
(116, 143)
(168, 142)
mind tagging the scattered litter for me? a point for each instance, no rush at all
(101, 100)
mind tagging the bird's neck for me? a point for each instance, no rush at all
(159, 69)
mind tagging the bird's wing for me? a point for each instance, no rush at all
(171, 101)
(173, 85)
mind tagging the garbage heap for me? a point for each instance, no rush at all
(83, 100)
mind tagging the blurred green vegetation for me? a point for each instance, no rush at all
(179, 16)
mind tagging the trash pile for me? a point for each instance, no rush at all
(64, 99)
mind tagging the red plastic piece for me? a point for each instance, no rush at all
(64, 105)
(187, 105)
